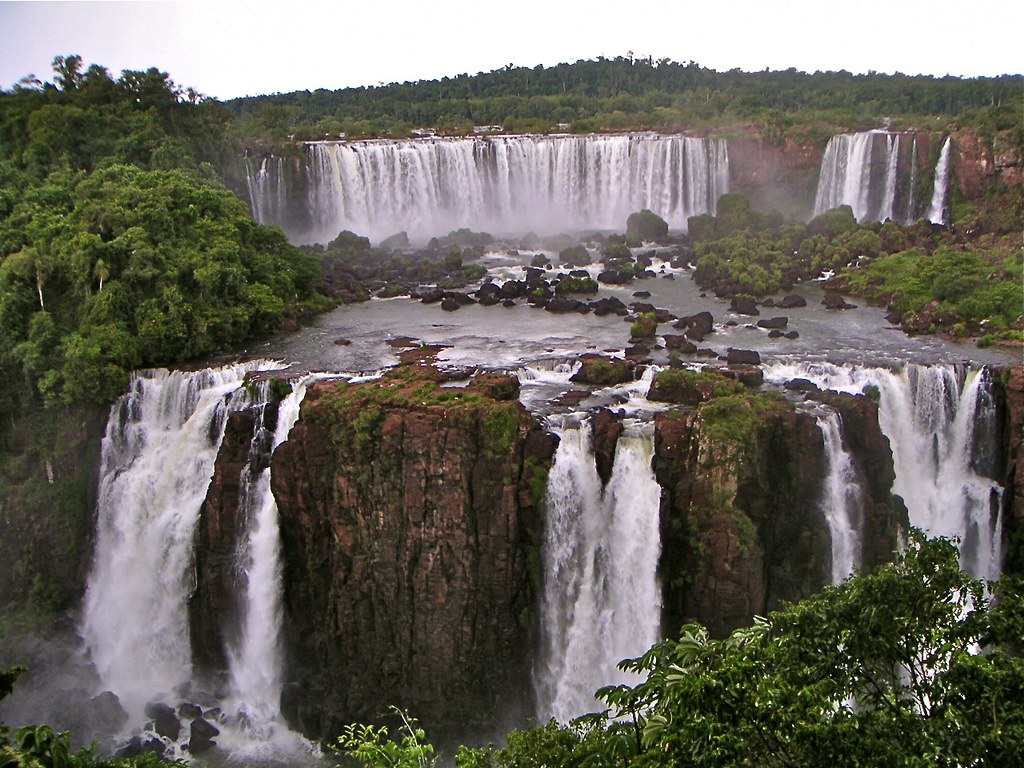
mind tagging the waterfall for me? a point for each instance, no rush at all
(601, 600)
(842, 499)
(941, 424)
(892, 153)
(157, 460)
(255, 665)
(937, 208)
(865, 171)
(509, 184)
(846, 174)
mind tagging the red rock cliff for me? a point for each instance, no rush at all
(409, 529)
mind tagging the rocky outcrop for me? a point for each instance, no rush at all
(410, 533)
(1011, 387)
(742, 523)
(214, 605)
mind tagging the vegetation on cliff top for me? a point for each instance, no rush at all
(627, 93)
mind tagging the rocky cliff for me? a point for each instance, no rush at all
(743, 529)
(410, 530)
(1011, 388)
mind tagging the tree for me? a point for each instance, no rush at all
(883, 669)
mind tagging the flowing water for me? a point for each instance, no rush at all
(936, 419)
(842, 499)
(940, 190)
(601, 601)
(501, 184)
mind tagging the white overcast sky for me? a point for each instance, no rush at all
(227, 48)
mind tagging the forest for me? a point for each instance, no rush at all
(627, 93)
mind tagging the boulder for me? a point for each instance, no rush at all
(834, 300)
(792, 301)
(744, 305)
(742, 357)
(165, 721)
(602, 371)
(772, 323)
(201, 736)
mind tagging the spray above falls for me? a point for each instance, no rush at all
(504, 184)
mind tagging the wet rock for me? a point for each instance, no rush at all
(792, 301)
(561, 305)
(189, 711)
(679, 342)
(749, 375)
(834, 300)
(606, 428)
(696, 326)
(603, 371)
(201, 736)
(429, 295)
(614, 277)
(744, 305)
(512, 289)
(448, 304)
(609, 305)
(165, 721)
(136, 746)
(742, 357)
(641, 294)
(775, 333)
(773, 323)
(801, 385)
(791, 335)
(342, 342)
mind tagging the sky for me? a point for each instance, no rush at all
(229, 48)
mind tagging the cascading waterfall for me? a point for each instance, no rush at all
(429, 187)
(937, 208)
(601, 601)
(846, 174)
(892, 153)
(842, 499)
(157, 460)
(941, 424)
(255, 665)
(867, 171)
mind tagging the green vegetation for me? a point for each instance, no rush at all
(627, 93)
(967, 291)
(646, 225)
(119, 247)
(883, 669)
(645, 326)
(734, 419)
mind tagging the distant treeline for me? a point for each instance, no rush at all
(628, 93)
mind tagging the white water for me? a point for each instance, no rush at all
(157, 461)
(255, 666)
(846, 174)
(602, 601)
(505, 184)
(937, 208)
(937, 420)
(862, 171)
(842, 499)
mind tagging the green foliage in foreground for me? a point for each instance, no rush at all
(882, 670)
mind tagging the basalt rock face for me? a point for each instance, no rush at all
(1011, 386)
(410, 528)
(743, 529)
(214, 605)
(884, 513)
(49, 466)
